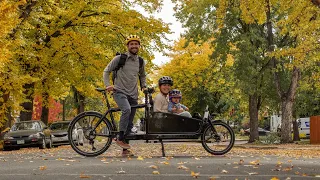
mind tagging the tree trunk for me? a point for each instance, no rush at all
(63, 110)
(286, 119)
(45, 108)
(296, 136)
(79, 100)
(81, 103)
(26, 113)
(4, 118)
(253, 112)
(287, 104)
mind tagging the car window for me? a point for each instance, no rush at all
(59, 126)
(26, 126)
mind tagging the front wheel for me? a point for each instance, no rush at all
(219, 139)
(96, 137)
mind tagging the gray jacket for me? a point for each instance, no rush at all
(126, 80)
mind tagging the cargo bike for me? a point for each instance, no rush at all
(99, 130)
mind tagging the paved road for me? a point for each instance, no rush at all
(64, 163)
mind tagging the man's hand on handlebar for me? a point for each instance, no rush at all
(147, 90)
(109, 88)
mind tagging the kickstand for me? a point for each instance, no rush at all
(162, 148)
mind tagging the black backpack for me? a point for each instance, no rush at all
(123, 59)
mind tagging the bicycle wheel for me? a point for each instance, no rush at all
(218, 140)
(93, 141)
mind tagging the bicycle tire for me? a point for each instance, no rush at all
(215, 125)
(76, 120)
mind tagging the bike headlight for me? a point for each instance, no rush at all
(6, 137)
(34, 135)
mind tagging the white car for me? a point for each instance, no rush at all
(59, 132)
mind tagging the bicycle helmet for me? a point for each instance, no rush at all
(165, 80)
(132, 38)
(175, 93)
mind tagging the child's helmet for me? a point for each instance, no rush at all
(165, 80)
(175, 93)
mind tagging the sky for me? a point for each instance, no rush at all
(167, 16)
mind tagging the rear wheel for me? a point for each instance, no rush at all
(219, 139)
(95, 140)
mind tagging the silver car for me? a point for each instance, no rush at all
(59, 131)
(28, 134)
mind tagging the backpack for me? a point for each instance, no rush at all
(123, 59)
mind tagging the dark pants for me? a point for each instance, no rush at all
(125, 102)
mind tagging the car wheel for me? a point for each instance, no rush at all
(50, 144)
(43, 144)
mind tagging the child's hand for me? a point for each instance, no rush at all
(174, 109)
(180, 110)
(187, 109)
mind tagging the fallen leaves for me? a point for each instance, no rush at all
(82, 175)
(195, 175)
(42, 167)
(153, 167)
(155, 172)
(224, 171)
(183, 167)
(274, 178)
(255, 162)
(140, 158)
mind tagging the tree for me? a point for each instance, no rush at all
(65, 44)
(8, 86)
(234, 38)
(291, 27)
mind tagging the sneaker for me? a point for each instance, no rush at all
(127, 153)
(123, 144)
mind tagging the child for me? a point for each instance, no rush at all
(174, 104)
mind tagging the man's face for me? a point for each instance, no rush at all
(165, 88)
(133, 47)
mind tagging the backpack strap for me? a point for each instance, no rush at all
(122, 61)
(140, 62)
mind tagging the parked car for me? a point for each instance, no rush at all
(262, 132)
(28, 134)
(59, 131)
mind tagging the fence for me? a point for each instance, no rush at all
(315, 130)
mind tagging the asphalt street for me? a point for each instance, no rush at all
(64, 163)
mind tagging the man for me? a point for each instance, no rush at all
(161, 101)
(125, 88)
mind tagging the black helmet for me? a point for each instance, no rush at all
(165, 80)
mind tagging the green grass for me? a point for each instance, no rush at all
(303, 142)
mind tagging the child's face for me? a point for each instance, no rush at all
(175, 100)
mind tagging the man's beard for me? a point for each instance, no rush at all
(134, 53)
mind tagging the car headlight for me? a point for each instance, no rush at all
(6, 137)
(34, 135)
